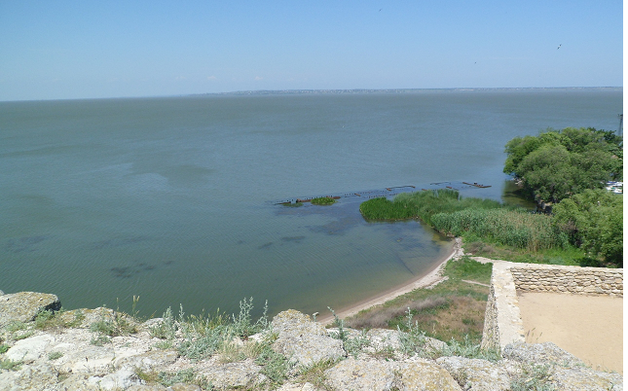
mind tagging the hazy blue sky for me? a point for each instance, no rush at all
(93, 49)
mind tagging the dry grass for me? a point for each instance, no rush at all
(453, 309)
(463, 316)
(380, 319)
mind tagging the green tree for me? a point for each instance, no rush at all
(594, 221)
(557, 164)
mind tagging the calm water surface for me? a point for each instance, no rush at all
(172, 199)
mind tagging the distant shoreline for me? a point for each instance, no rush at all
(392, 90)
(305, 91)
(433, 277)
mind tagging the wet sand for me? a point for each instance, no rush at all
(589, 327)
(432, 278)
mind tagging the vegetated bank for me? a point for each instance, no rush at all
(569, 168)
(452, 310)
(486, 226)
(44, 347)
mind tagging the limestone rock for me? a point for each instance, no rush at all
(93, 360)
(297, 387)
(583, 378)
(84, 317)
(232, 375)
(302, 340)
(29, 349)
(358, 375)
(145, 387)
(540, 353)
(424, 375)
(78, 382)
(149, 360)
(476, 374)
(119, 380)
(35, 377)
(24, 306)
(113, 364)
(183, 387)
(383, 339)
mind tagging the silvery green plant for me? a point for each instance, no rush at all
(340, 323)
(167, 328)
(413, 339)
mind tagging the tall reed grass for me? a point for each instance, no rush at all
(451, 214)
(516, 228)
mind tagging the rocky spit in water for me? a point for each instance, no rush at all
(67, 352)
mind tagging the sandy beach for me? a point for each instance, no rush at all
(431, 278)
(589, 327)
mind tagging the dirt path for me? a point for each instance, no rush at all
(589, 327)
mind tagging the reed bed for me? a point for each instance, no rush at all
(422, 205)
(453, 215)
(516, 228)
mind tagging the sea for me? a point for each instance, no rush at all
(179, 201)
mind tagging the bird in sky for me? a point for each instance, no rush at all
(559, 45)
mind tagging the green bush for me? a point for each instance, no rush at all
(559, 163)
(593, 220)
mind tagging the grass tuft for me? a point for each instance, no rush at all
(54, 355)
(10, 365)
(315, 374)
(117, 324)
(533, 377)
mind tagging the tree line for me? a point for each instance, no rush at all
(567, 168)
(570, 169)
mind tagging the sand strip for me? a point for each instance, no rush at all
(430, 279)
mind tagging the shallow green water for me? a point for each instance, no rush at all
(172, 199)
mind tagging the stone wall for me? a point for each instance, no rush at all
(568, 279)
(502, 320)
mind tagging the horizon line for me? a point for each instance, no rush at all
(299, 91)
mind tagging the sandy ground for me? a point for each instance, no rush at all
(589, 327)
(430, 279)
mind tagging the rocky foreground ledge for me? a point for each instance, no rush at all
(43, 348)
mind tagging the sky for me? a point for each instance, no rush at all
(101, 49)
